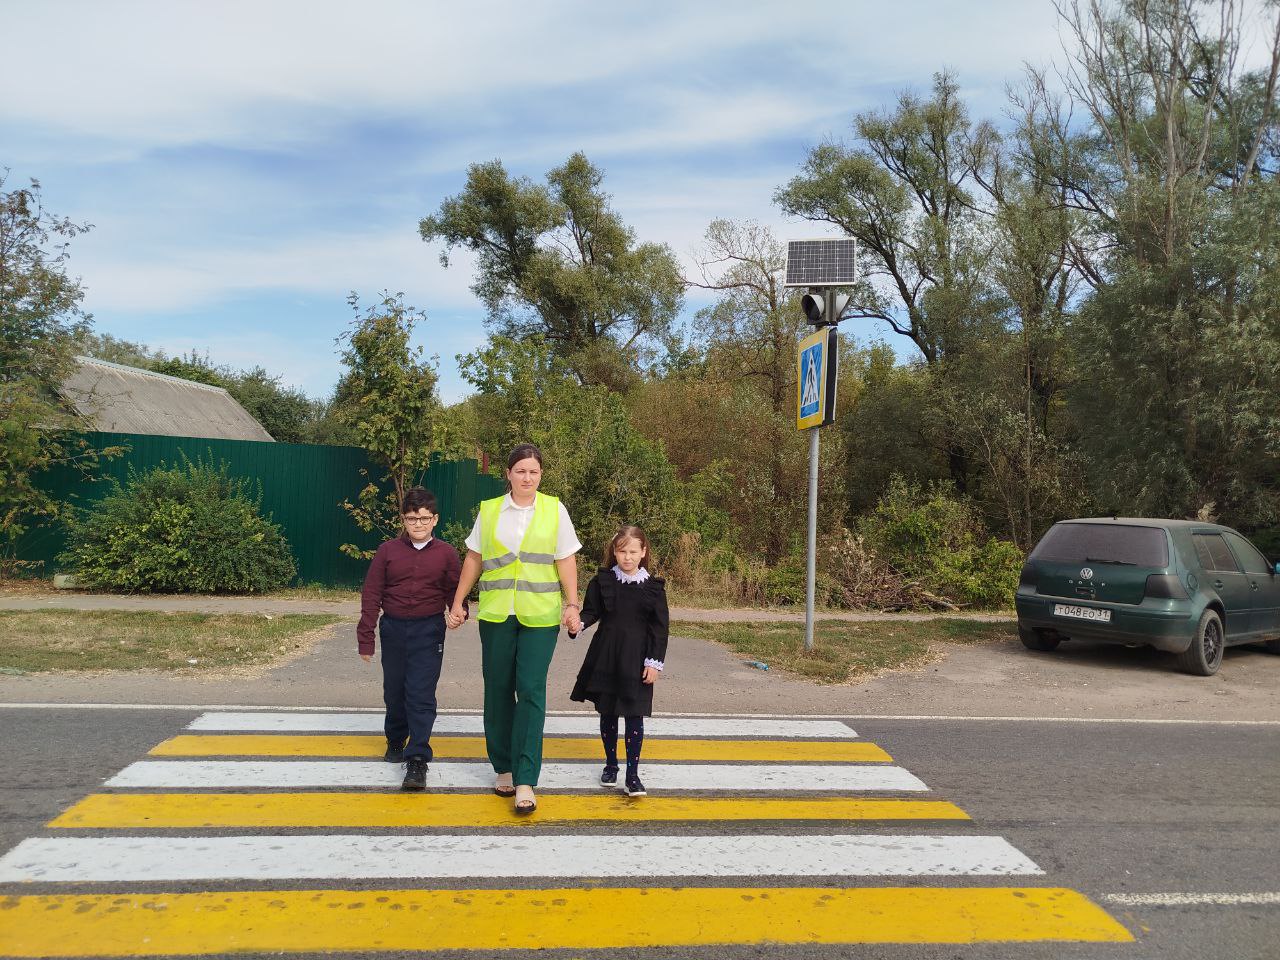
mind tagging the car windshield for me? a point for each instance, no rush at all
(1104, 543)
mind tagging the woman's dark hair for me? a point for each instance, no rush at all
(624, 534)
(523, 451)
(415, 498)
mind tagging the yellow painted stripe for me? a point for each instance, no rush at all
(194, 810)
(297, 921)
(553, 748)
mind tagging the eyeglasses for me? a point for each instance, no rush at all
(420, 519)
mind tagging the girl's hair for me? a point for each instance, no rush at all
(624, 534)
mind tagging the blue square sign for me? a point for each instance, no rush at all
(811, 381)
(815, 379)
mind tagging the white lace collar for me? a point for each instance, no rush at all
(640, 576)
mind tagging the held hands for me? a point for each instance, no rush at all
(571, 620)
(650, 675)
(456, 616)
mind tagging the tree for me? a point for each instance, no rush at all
(906, 192)
(104, 346)
(558, 262)
(1179, 332)
(889, 415)
(741, 403)
(40, 314)
(387, 398)
(607, 472)
(909, 191)
(284, 412)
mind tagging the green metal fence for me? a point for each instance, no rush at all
(302, 486)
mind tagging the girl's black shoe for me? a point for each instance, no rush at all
(609, 778)
(635, 788)
(415, 777)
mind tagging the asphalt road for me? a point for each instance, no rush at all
(1180, 812)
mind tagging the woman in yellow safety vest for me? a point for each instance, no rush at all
(521, 549)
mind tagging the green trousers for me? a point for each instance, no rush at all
(515, 659)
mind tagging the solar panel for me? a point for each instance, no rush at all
(822, 263)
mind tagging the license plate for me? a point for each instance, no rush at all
(1081, 613)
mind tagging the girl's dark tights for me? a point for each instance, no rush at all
(634, 741)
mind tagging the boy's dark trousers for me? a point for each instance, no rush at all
(412, 653)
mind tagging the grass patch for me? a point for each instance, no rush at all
(33, 641)
(844, 651)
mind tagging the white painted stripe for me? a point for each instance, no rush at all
(338, 857)
(944, 718)
(295, 774)
(1192, 899)
(579, 725)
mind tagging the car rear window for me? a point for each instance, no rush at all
(1104, 543)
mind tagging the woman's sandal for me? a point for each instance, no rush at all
(504, 789)
(526, 802)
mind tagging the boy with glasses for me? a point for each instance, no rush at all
(411, 580)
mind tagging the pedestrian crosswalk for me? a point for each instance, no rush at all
(295, 774)
(216, 842)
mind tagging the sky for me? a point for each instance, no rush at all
(246, 166)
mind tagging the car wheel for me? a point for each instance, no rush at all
(1273, 646)
(1034, 641)
(1204, 656)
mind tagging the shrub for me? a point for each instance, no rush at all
(189, 528)
(862, 580)
(934, 538)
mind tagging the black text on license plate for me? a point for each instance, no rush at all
(1081, 613)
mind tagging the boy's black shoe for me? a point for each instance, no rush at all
(394, 754)
(415, 776)
(609, 778)
(635, 788)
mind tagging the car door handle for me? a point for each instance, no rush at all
(1219, 584)
(1253, 584)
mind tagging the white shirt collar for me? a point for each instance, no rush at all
(640, 576)
(509, 504)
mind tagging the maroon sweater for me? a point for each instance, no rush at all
(408, 583)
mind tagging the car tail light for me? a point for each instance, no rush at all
(1165, 586)
(1027, 578)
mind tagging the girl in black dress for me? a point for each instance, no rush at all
(627, 652)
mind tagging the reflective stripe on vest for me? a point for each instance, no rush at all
(526, 580)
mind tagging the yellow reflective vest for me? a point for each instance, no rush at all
(528, 576)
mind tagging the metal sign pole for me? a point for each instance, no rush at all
(822, 266)
(811, 563)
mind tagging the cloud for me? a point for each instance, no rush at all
(236, 154)
(334, 264)
(155, 74)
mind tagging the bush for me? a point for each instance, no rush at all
(861, 580)
(934, 538)
(189, 528)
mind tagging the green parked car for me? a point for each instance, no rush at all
(1178, 585)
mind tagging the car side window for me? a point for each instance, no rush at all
(1248, 555)
(1214, 553)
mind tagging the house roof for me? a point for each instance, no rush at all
(117, 399)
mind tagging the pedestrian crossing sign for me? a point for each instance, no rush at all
(816, 379)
